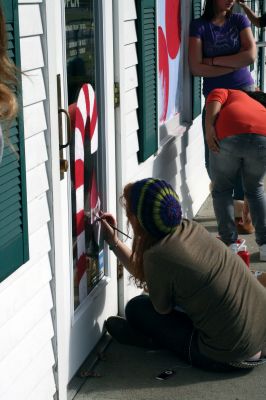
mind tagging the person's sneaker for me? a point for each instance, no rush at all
(121, 331)
(260, 276)
(263, 252)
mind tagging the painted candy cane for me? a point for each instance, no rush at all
(86, 123)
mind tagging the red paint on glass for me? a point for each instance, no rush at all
(173, 27)
(164, 72)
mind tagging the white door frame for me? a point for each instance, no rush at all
(62, 283)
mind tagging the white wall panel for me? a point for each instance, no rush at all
(38, 213)
(131, 100)
(45, 389)
(129, 10)
(33, 87)
(15, 296)
(131, 122)
(39, 243)
(130, 34)
(131, 78)
(14, 331)
(132, 144)
(23, 355)
(30, 22)
(37, 182)
(31, 53)
(130, 55)
(132, 167)
(40, 365)
(26, 327)
(34, 119)
(36, 151)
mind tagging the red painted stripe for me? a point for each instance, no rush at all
(164, 72)
(80, 222)
(79, 173)
(172, 27)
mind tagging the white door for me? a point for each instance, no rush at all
(86, 277)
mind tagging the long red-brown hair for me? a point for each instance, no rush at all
(8, 79)
(142, 240)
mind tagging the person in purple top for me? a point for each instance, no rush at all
(221, 47)
(259, 22)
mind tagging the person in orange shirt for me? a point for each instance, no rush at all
(236, 137)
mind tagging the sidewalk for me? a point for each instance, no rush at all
(128, 373)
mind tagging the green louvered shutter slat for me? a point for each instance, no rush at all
(147, 78)
(253, 7)
(13, 202)
(261, 52)
(196, 80)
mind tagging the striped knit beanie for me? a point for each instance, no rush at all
(156, 205)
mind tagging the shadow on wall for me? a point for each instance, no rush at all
(166, 167)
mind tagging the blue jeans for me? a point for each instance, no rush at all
(238, 188)
(245, 154)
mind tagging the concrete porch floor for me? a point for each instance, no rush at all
(128, 373)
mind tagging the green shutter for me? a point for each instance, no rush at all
(147, 78)
(196, 80)
(261, 52)
(13, 202)
(253, 8)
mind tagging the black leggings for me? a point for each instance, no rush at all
(173, 331)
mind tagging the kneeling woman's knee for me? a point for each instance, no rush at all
(136, 306)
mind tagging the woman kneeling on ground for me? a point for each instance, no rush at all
(203, 303)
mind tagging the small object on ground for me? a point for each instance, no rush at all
(165, 374)
(89, 374)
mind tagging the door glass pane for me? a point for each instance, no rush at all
(85, 155)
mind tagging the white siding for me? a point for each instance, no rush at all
(180, 157)
(26, 326)
(180, 160)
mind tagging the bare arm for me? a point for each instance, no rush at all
(120, 249)
(212, 111)
(197, 65)
(245, 57)
(254, 19)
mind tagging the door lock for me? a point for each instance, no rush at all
(63, 165)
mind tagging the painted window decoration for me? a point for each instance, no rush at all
(169, 40)
(85, 155)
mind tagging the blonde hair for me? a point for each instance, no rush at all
(142, 240)
(8, 79)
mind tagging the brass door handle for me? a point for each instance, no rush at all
(63, 165)
(69, 133)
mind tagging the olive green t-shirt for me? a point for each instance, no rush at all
(193, 269)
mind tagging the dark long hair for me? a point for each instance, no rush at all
(258, 95)
(209, 10)
(141, 240)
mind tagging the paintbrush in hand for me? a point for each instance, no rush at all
(112, 226)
